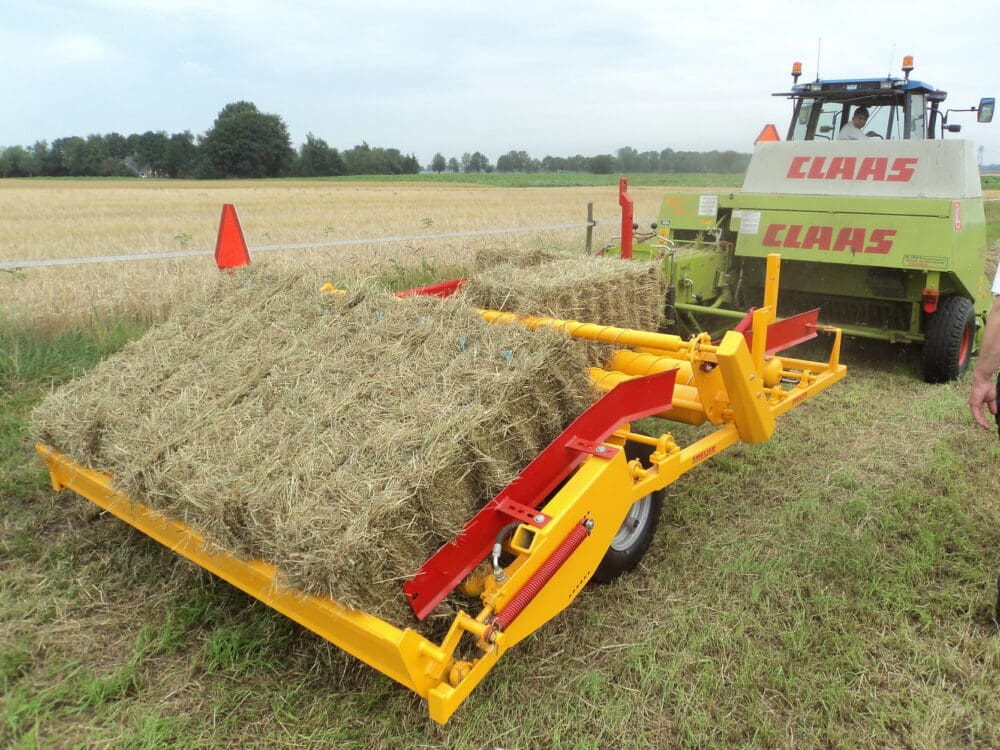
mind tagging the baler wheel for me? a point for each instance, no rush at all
(951, 332)
(637, 530)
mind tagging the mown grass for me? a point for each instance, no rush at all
(831, 587)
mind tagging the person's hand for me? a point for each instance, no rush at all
(984, 391)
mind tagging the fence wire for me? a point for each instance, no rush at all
(46, 262)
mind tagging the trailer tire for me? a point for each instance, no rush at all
(951, 332)
(637, 530)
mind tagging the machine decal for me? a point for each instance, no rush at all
(749, 221)
(930, 262)
(708, 205)
(870, 168)
(820, 237)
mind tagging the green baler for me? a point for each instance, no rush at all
(887, 235)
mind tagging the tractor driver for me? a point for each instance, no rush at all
(984, 389)
(852, 130)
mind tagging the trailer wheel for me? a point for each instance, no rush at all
(951, 332)
(636, 532)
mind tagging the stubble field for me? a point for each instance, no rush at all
(43, 220)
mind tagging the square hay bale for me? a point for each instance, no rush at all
(609, 291)
(342, 439)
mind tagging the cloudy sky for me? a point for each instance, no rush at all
(458, 76)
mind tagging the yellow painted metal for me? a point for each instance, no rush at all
(664, 342)
(644, 363)
(745, 386)
(773, 367)
(402, 654)
(771, 279)
(739, 391)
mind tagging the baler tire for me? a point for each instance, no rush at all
(636, 532)
(951, 333)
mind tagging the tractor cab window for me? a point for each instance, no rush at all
(820, 120)
(893, 121)
(917, 120)
(883, 122)
(817, 121)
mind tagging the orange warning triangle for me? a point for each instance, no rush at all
(231, 248)
(769, 133)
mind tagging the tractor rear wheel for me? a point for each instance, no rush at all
(951, 332)
(636, 532)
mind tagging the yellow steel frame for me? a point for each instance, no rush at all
(740, 390)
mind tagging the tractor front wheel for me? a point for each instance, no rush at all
(636, 532)
(951, 332)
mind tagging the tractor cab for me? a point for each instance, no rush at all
(898, 108)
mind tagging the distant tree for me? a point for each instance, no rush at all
(453, 165)
(725, 162)
(94, 158)
(517, 161)
(628, 160)
(241, 107)
(180, 157)
(649, 161)
(603, 164)
(364, 159)
(549, 164)
(577, 163)
(48, 163)
(438, 163)
(244, 142)
(508, 162)
(116, 145)
(337, 166)
(410, 164)
(315, 158)
(682, 161)
(150, 151)
(18, 161)
(475, 162)
(67, 154)
(359, 159)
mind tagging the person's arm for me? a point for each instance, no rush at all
(984, 390)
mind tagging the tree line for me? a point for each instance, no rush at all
(245, 142)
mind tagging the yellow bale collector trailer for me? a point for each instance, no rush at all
(586, 507)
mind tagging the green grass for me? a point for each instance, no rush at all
(574, 179)
(31, 361)
(831, 587)
(993, 221)
(547, 179)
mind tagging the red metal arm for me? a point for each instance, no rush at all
(441, 289)
(449, 566)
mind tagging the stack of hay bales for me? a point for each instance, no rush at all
(343, 439)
